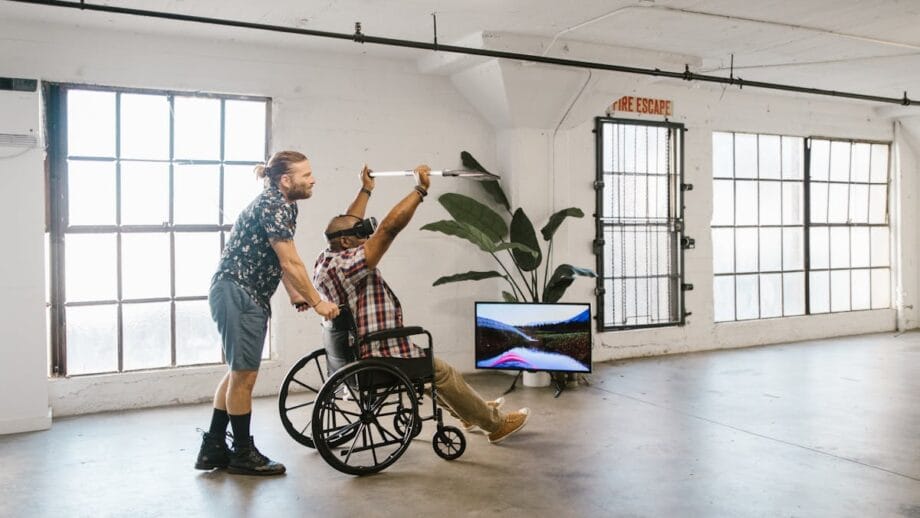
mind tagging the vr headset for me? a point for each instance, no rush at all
(362, 229)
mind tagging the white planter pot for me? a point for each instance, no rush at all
(536, 379)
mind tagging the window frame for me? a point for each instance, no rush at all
(758, 181)
(849, 225)
(807, 225)
(57, 225)
(675, 225)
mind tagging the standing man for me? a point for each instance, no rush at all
(347, 273)
(259, 253)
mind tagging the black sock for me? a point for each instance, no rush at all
(240, 424)
(219, 421)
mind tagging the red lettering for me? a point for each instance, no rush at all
(629, 103)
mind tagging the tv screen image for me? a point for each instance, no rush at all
(533, 336)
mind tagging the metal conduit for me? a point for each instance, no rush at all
(360, 37)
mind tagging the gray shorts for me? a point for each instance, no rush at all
(242, 324)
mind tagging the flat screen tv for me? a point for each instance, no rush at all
(533, 337)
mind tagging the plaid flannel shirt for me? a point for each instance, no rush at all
(344, 278)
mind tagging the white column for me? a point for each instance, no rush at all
(23, 343)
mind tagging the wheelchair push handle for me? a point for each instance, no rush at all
(303, 306)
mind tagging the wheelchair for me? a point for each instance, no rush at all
(362, 414)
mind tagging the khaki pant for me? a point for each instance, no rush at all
(458, 398)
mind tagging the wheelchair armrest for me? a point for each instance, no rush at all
(398, 332)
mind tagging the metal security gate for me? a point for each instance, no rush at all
(639, 236)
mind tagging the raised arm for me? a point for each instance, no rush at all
(296, 281)
(359, 206)
(396, 219)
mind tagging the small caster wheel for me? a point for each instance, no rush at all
(449, 443)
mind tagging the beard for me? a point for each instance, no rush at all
(301, 193)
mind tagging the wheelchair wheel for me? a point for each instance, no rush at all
(376, 394)
(449, 443)
(298, 394)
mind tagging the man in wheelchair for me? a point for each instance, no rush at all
(346, 273)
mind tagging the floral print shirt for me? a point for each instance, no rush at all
(248, 258)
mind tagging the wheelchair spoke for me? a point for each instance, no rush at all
(370, 432)
(332, 421)
(295, 407)
(382, 399)
(384, 432)
(339, 432)
(319, 369)
(304, 385)
(336, 408)
(354, 396)
(351, 448)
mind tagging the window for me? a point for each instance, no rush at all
(793, 226)
(757, 226)
(639, 224)
(849, 266)
(145, 186)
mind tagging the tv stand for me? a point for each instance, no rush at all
(514, 383)
(559, 383)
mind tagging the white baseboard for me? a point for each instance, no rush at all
(29, 424)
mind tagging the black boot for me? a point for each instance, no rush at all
(247, 460)
(213, 453)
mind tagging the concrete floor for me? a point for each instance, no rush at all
(826, 428)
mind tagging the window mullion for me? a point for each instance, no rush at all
(172, 233)
(806, 222)
(119, 337)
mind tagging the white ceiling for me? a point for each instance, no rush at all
(866, 46)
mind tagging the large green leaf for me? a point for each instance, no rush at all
(509, 297)
(478, 238)
(518, 247)
(464, 231)
(556, 219)
(467, 210)
(492, 187)
(561, 279)
(522, 232)
(468, 276)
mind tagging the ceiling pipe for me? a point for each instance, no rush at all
(360, 37)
